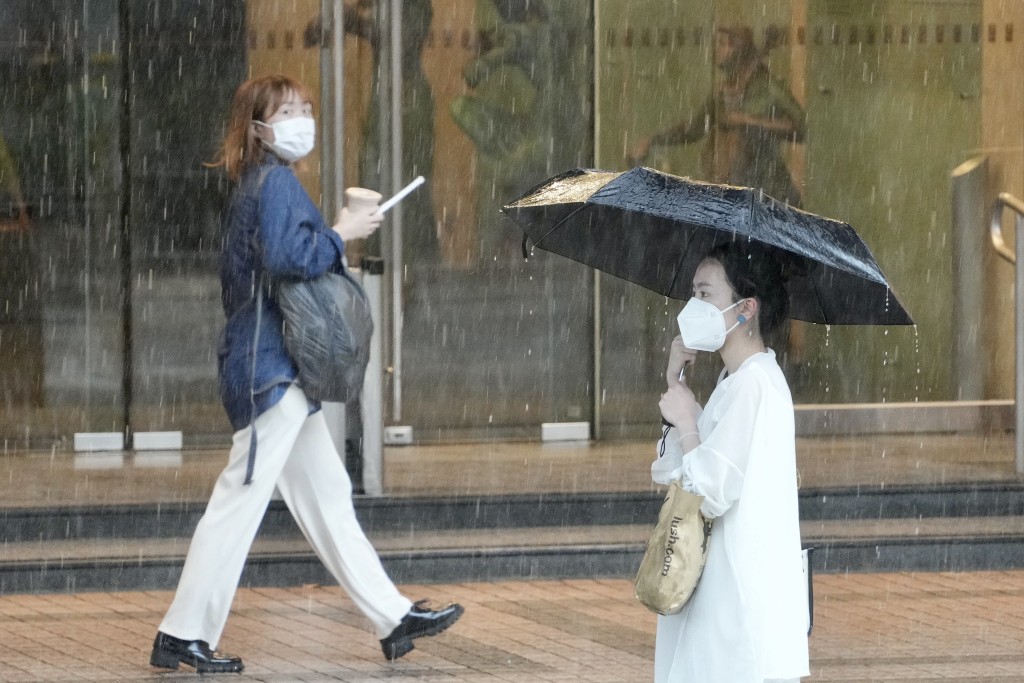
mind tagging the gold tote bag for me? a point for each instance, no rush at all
(675, 554)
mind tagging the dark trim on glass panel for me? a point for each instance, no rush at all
(125, 242)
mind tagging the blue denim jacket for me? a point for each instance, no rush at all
(271, 231)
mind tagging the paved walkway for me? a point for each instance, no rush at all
(964, 628)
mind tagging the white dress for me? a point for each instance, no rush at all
(747, 621)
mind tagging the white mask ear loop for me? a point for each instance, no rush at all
(259, 138)
(740, 319)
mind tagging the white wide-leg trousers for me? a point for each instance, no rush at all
(294, 452)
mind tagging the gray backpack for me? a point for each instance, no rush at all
(327, 330)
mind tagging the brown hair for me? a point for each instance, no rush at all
(255, 100)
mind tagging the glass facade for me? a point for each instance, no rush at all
(498, 345)
(109, 302)
(109, 111)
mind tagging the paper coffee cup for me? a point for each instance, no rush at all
(360, 199)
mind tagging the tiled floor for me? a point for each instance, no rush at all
(962, 628)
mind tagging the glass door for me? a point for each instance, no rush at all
(62, 230)
(490, 99)
(891, 96)
(894, 105)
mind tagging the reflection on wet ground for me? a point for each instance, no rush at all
(60, 478)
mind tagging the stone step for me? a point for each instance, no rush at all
(454, 555)
(418, 514)
(425, 557)
(377, 515)
(973, 499)
(916, 544)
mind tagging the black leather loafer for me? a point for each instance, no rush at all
(420, 621)
(169, 651)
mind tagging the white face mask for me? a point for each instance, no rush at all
(702, 325)
(293, 138)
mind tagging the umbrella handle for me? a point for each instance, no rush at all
(664, 422)
(526, 252)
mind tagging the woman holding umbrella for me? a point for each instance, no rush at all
(747, 621)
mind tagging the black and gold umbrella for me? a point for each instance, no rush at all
(652, 228)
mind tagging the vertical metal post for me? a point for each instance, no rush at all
(332, 95)
(332, 156)
(968, 182)
(596, 429)
(1018, 304)
(598, 389)
(85, 199)
(125, 242)
(397, 263)
(372, 400)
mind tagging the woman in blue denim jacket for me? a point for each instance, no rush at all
(273, 230)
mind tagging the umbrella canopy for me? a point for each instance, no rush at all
(652, 228)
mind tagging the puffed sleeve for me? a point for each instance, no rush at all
(716, 468)
(296, 241)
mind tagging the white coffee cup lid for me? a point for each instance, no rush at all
(363, 193)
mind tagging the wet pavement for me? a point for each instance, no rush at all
(962, 628)
(33, 478)
(926, 626)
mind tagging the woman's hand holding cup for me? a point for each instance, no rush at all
(360, 217)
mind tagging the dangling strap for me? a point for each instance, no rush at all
(251, 461)
(250, 464)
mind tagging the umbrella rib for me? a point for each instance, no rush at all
(821, 303)
(675, 277)
(557, 225)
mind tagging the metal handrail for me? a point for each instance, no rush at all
(1005, 200)
(1014, 256)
